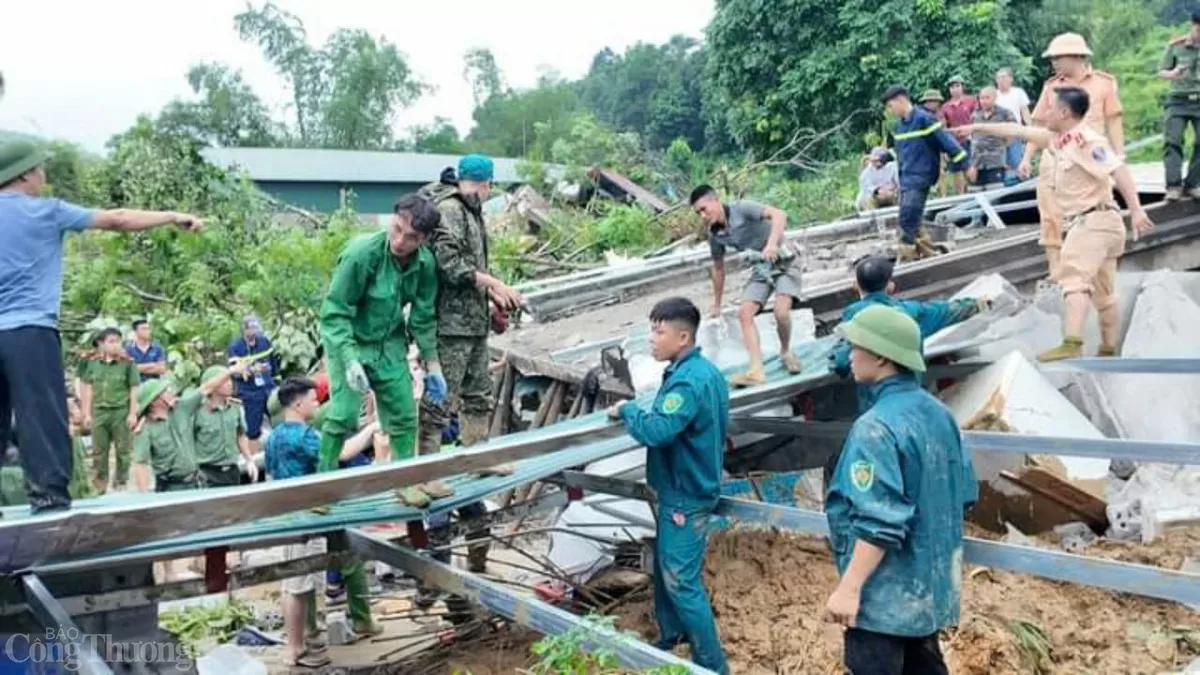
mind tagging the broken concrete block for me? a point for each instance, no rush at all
(1012, 396)
(339, 629)
(1074, 537)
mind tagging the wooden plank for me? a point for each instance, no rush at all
(535, 367)
(1090, 509)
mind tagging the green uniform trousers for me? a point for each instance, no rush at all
(110, 430)
(398, 418)
(1179, 116)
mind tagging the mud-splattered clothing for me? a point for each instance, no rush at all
(902, 483)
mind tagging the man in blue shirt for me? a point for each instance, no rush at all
(31, 272)
(873, 281)
(293, 449)
(684, 433)
(255, 388)
(920, 143)
(149, 356)
(895, 508)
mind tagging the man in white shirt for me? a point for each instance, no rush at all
(1016, 101)
(877, 184)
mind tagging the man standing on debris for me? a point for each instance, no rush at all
(221, 436)
(745, 225)
(684, 433)
(920, 143)
(466, 295)
(1181, 66)
(874, 285)
(1084, 170)
(989, 154)
(295, 449)
(255, 387)
(165, 440)
(108, 388)
(31, 259)
(1069, 53)
(895, 508)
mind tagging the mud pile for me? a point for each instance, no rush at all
(769, 590)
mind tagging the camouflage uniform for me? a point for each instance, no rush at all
(464, 318)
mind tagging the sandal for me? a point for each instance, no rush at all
(308, 660)
(315, 644)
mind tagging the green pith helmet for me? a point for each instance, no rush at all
(148, 392)
(890, 333)
(18, 155)
(931, 95)
(211, 372)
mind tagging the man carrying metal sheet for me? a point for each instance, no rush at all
(684, 433)
(895, 508)
(745, 225)
(1085, 167)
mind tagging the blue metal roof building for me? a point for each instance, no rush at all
(323, 180)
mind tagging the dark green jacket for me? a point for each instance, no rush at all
(1181, 53)
(362, 317)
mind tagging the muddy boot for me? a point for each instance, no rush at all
(752, 378)
(477, 559)
(907, 253)
(791, 363)
(1071, 348)
(426, 597)
(1106, 352)
(925, 246)
(458, 610)
(413, 496)
(1194, 193)
(476, 427)
(436, 489)
(1174, 194)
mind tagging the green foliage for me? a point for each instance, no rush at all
(781, 66)
(589, 143)
(481, 71)
(195, 287)
(1143, 93)
(228, 113)
(524, 123)
(440, 137)
(565, 654)
(194, 625)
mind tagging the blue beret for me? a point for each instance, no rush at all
(476, 167)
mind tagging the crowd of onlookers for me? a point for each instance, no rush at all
(991, 161)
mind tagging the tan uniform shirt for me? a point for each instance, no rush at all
(1086, 162)
(1102, 92)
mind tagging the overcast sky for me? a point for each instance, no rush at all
(84, 70)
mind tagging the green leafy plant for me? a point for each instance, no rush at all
(565, 654)
(194, 625)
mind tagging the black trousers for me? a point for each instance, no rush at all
(33, 391)
(870, 653)
(213, 475)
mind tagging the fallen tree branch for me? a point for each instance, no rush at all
(144, 295)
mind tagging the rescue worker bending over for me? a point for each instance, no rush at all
(895, 508)
(684, 434)
(1084, 164)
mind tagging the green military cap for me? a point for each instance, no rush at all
(957, 79)
(18, 156)
(211, 372)
(148, 392)
(931, 95)
(890, 333)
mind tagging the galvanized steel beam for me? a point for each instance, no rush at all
(80, 654)
(525, 610)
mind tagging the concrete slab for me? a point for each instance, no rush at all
(1006, 299)
(1012, 396)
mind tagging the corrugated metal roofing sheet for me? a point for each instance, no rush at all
(300, 165)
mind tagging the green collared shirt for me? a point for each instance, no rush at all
(169, 445)
(111, 380)
(1183, 54)
(217, 432)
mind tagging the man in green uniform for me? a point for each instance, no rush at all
(1181, 65)
(221, 436)
(12, 476)
(165, 441)
(109, 388)
(365, 334)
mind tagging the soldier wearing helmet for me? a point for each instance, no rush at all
(1069, 54)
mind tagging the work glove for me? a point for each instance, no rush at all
(436, 389)
(356, 378)
(985, 304)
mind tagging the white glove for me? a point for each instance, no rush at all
(356, 378)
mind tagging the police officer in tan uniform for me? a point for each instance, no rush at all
(1069, 54)
(1085, 167)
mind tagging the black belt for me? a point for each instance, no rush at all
(1109, 206)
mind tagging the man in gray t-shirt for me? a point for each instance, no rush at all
(749, 226)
